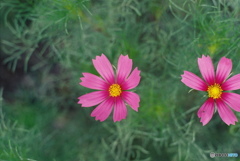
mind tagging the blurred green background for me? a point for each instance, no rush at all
(47, 44)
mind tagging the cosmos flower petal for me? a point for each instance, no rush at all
(104, 68)
(111, 86)
(120, 110)
(232, 99)
(93, 82)
(207, 69)
(93, 98)
(132, 81)
(102, 111)
(232, 83)
(124, 68)
(206, 111)
(193, 81)
(223, 69)
(215, 86)
(132, 99)
(226, 113)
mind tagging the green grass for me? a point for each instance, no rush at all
(46, 45)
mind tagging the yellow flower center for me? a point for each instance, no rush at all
(215, 91)
(115, 90)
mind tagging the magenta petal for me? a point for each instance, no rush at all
(93, 98)
(223, 69)
(207, 69)
(102, 111)
(225, 113)
(132, 81)
(232, 83)
(120, 110)
(104, 68)
(206, 111)
(232, 99)
(94, 82)
(124, 68)
(193, 81)
(132, 99)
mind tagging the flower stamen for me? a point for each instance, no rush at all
(214, 91)
(115, 90)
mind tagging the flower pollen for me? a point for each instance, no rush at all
(115, 90)
(214, 91)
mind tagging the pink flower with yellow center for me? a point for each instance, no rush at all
(215, 86)
(112, 94)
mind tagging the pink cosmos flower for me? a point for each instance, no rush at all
(112, 94)
(215, 86)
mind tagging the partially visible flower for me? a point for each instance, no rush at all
(215, 86)
(112, 94)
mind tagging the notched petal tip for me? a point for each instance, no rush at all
(82, 80)
(227, 60)
(99, 57)
(233, 122)
(98, 119)
(79, 101)
(136, 108)
(186, 73)
(83, 76)
(124, 56)
(203, 56)
(137, 71)
(182, 76)
(203, 123)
